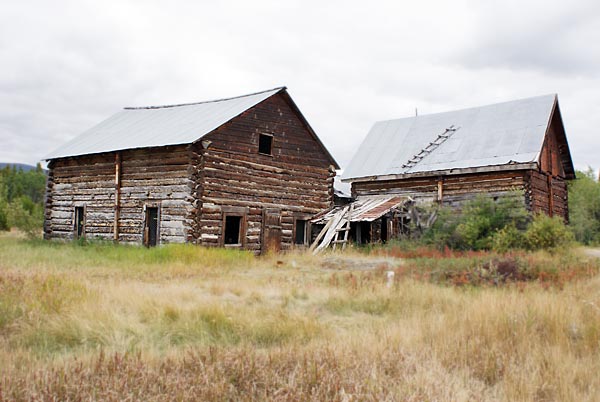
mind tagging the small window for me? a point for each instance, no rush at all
(233, 224)
(301, 232)
(79, 223)
(265, 144)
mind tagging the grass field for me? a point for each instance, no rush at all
(100, 322)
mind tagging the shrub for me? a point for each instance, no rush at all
(26, 216)
(547, 233)
(507, 238)
(584, 207)
(473, 228)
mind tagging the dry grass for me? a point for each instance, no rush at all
(182, 323)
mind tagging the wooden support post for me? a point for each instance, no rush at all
(440, 190)
(550, 197)
(117, 196)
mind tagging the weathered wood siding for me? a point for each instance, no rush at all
(230, 173)
(151, 176)
(454, 189)
(547, 194)
(86, 181)
(548, 188)
(155, 177)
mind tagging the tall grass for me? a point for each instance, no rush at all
(186, 323)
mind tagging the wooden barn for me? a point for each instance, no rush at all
(513, 148)
(245, 172)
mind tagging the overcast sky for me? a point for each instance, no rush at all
(67, 65)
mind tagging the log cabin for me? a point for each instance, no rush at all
(245, 172)
(517, 148)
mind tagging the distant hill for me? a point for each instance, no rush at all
(23, 166)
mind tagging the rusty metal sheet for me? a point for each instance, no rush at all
(365, 209)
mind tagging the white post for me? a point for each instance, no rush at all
(390, 278)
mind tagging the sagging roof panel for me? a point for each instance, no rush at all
(365, 209)
(153, 126)
(504, 133)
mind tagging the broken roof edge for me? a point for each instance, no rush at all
(274, 90)
(554, 94)
(445, 172)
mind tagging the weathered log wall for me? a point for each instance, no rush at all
(152, 176)
(454, 189)
(86, 181)
(542, 191)
(155, 177)
(296, 178)
(547, 194)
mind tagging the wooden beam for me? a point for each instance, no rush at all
(447, 172)
(118, 163)
(550, 196)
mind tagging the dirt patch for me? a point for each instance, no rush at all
(593, 252)
(359, 264)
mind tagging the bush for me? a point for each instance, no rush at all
(547, 233)
(26, 216)
(507, 238)
(474, 227)
(584, 207)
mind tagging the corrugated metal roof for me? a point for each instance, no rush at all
(366, 208)
(154, 126)
(503, 133)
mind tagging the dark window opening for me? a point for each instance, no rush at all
(265, 144)
(79, 222)
(233, 225)
(384, 229)
(301, 226)
(151, 229)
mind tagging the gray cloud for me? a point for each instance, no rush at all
(549, 37)
(66, 65)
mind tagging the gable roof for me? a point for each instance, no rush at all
(509, 133)
(154, 126)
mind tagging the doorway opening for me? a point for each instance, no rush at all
(233, 224)
(151, 229)
(79, 224)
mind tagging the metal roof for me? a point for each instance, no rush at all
(499, 134)
(153, 126)
(365, 208)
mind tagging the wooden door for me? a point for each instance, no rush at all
(151, 227)
(79, 222)
(271, 240)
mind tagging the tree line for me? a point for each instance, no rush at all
(22, 199)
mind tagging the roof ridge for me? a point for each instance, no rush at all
(203, 102)
(555, 95)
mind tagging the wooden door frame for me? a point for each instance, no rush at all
(307, 229)
(145, 227)
(242, 212)
(75, 237)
